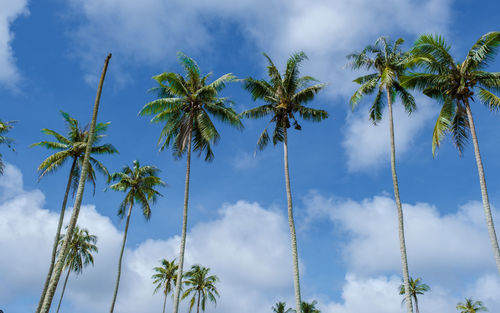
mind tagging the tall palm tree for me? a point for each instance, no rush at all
(454, 84)
(388, 62)
(471, 306)
(54, 280)
(280, 307)
(202, 287)
(416, 288)
(165, 278)
(285, 97)
(80, 254)
(139, 182)
(71, 148)
(184, 106)
(4, 128)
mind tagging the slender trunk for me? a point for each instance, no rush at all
(295, 257)
(184, 225)
(64, 288)
(54, 280)
(58, 235)
(164, 302)
(198, 306)
(416, 305)
(402, 244)
(484, 191)
(120, 260)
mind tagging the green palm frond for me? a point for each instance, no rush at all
(491, 100)
(443, 124)
(483, 51)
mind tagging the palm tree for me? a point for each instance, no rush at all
(471, 306)
(4, 128)
(139, 182)
(165, 278)
(184, 105)
(202, 287)
(80, 254)
(280, 307)
(416, 288)
(310, 307)
(285, 97)
(71, 148)
(389, 63)
(453, 84)
(54, 280)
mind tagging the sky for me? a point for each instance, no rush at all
(51, 56)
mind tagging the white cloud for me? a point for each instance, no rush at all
(10, 10)
(368, 146)
(245, 245)
(151, 31)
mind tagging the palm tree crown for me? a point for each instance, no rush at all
(454, 83)
(389, 63)
(285, 97)
(471, 306)
(184, 106)
(140, 182)
(80, 250)
(4, 128)
(165, 278)
(202, 287)
(280, 307)
(416, 288)
(72, 147)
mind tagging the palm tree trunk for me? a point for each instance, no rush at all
(164, 302)
(295, 257)
(484, 191)
(184, 224)
(416, 305)
(120, 260)
(54, 280)
(64, 288)
(402, 244)
(198, 306)
(58, 235)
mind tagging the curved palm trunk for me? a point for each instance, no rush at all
(178, 282)
(64, 288)
(416, 305)
(296, 282)
(484, 191)
(54, 280)
(198, 306)
(402, 244)
(58, 236)
(120, 261)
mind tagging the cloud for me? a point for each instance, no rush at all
(451, 253)
(152, 31)
(245, 245)
(367, 146)
(10, 10)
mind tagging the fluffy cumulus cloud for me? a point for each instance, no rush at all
(441, 248)
(246, 246)
(9, 11)
(367, 146)
(150, 32)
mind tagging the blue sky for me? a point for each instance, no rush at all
(51, 53)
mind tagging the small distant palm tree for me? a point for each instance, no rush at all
(389, 63)
(310, 307)
(71, 148)
(4, 129)
(202, 287)
(285, 97)
(185, 105)
(416, 288)
(454, 84)
(139, 182)
(165, 278)
(80, 254)
(280, 307)
(471, 306)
